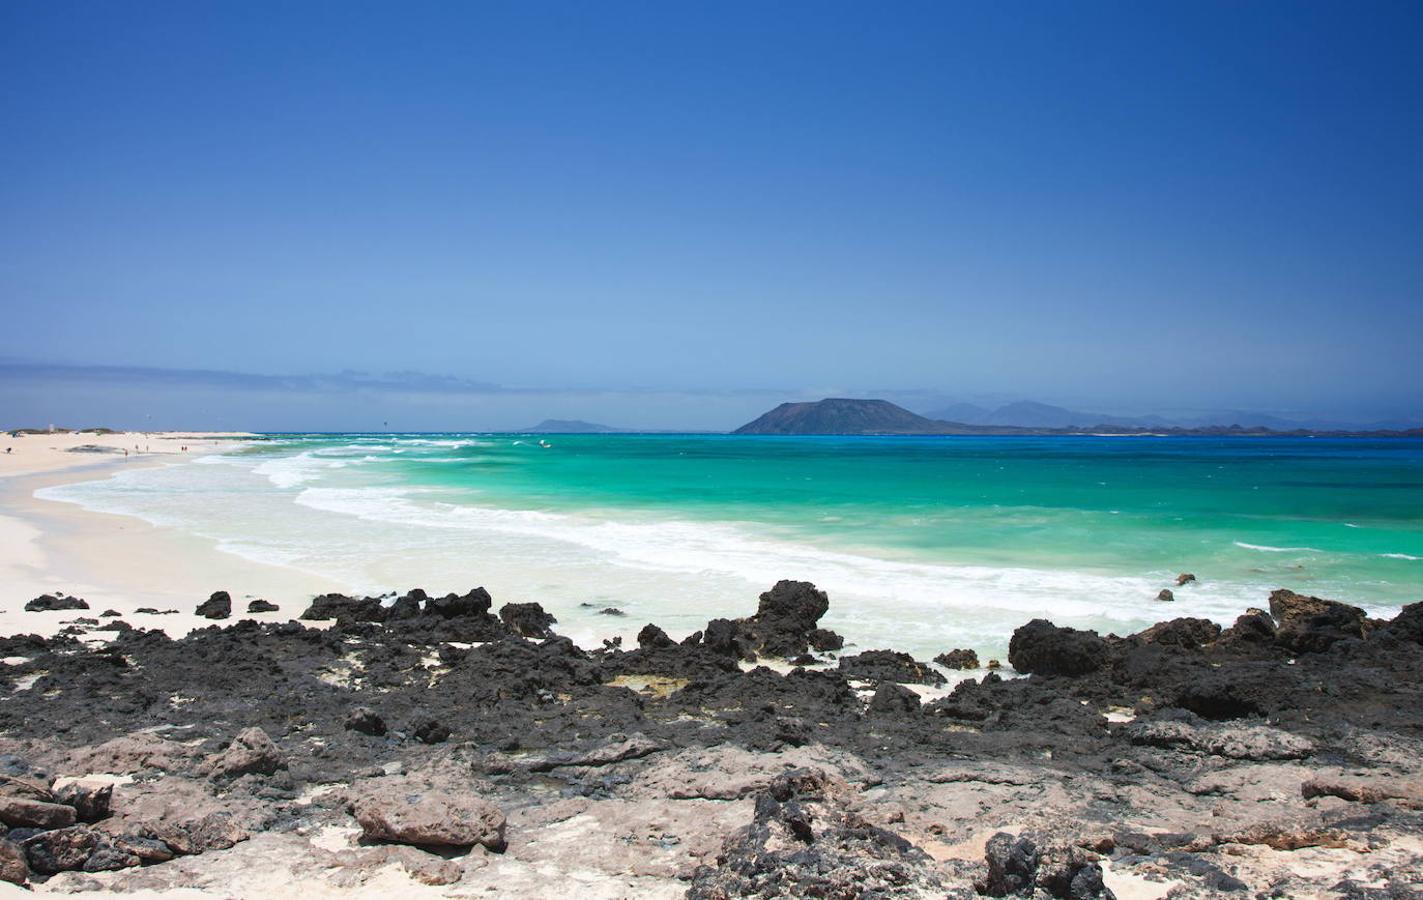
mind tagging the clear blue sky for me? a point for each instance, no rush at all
(1118, 205)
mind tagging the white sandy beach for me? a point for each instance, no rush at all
(118, 562)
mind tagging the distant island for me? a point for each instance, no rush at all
(571, 426)
(839, 415)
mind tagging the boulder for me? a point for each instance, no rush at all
(1310, 624)
(1190, 634)
(14, 868)
(262, 606)
(1254, 627)
(27, 788)
(178, 815)
(404, 812)
(1407, 625)
(806, 839)
(653, 638)
(344, 610)
(823, 640)
(1166, 596)
(527, 620)
(958, 659)
(218, 606)
(1042, 648)
(453, 606)
(892, 699)
(1184, 578)
(408, 606)
(784, 619)
(24, 812)
(889, 665)
(1024, 865)
(252, 752)
(90, 799)
(428, 731)
(77, 848)
(365, 720)
(1012, 865)
(721, 636)
(611, 611)
(49, 602)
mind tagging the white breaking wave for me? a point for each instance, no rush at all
(313, 511)
(1400, 556)
(729, 549)
(1266, 548)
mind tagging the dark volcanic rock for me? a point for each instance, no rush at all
(78, 847)
(415, 616)
(1220, 695)
(262, 606)
(653, 638)
(365, 720)
(452, 606)
(1042, 648)
(958, 659)
(428, 730)
(1012, 865)
(1255, 627)
(1166, 596)
(806, 840)
(721, 636)
(892, 699)
(1187, 633)
(527, 620)
(47, 602)
(550, 730)
(1310, 625)
(1017, 865)
(784, 621)
(889, 665)
(218, 606)
(345, 610)
(1408, 624)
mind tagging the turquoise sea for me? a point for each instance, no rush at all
(923, 543)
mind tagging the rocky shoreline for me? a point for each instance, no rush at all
(478, 751)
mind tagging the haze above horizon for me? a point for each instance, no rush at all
(676, 216)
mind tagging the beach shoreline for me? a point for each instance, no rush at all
(119, 562)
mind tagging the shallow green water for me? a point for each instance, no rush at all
(965, 534)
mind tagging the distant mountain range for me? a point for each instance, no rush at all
(1029, 414)
(570, 426)
(839, 415)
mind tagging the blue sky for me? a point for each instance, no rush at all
(1124, 206)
